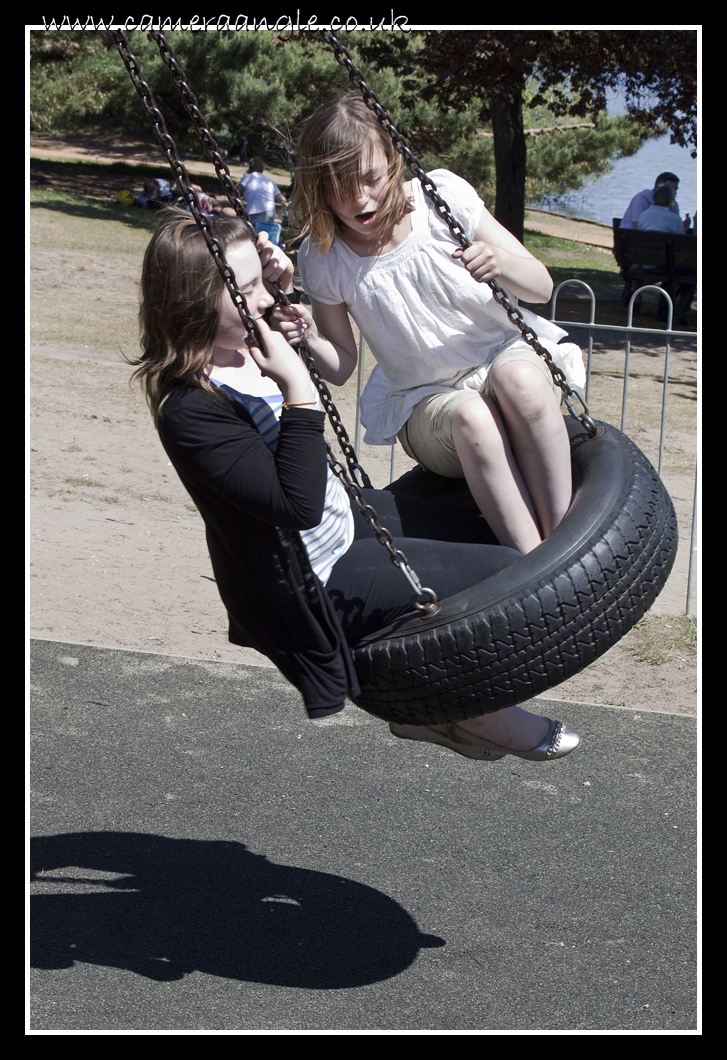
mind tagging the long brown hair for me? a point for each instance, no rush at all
(181, 292)
(331, 151)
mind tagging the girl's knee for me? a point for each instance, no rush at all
(525, 388)
(478, 415)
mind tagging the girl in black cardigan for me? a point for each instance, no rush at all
(299, 572)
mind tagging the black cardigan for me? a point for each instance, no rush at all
(254, 503)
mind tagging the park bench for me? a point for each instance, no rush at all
(650, 257)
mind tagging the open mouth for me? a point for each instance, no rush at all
(366, 217)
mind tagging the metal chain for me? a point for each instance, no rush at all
(213, 153)
(200, 125)
(372, 101)
(424, 599)
(190, 195)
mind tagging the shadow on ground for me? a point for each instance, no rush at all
(165, 907)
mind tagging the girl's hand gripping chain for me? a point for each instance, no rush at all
(275, 264)
(481, 261)
(295, 322)
(280, 363)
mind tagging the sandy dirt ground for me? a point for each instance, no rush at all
(117, 549)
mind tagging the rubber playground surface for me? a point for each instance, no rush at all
(207, 860)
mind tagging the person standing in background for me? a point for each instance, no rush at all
(261, 193)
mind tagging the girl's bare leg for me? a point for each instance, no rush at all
(538, 437)
(515, 455)
(492, 473)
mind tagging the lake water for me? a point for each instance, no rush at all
(608, 197)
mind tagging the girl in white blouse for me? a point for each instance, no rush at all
(455, 381)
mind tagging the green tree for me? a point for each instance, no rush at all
(255, 85)
(246, 83)
(574, 68)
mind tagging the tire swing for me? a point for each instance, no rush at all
(554, 611)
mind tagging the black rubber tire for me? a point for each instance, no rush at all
(545, 618)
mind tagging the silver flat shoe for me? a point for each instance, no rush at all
(559, 742)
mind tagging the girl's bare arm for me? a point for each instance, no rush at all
(328, 333)
(495, 254)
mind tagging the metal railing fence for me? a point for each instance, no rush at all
(666, 335)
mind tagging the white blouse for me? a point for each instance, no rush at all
(430, 326)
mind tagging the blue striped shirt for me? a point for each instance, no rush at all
(328, 541)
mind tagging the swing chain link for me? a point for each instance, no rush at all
(372, 101)
(200, 125)
(333, 417)
(424, 599)
(189, 194)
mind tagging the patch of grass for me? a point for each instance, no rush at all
(566, 260)
(80, 206)
(659, 637)
(82, 482)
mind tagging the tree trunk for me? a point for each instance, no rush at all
(510, 163)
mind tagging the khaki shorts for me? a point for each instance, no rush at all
(427, 435)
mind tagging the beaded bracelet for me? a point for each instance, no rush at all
(296, 404)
